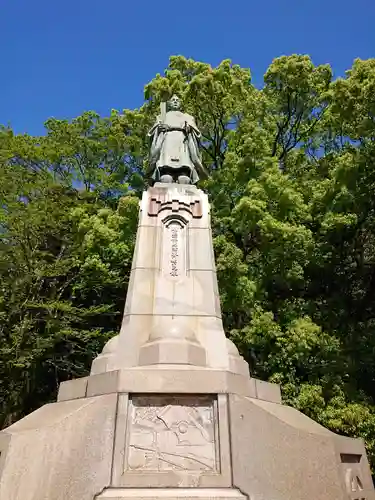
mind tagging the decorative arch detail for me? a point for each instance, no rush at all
(175, 219)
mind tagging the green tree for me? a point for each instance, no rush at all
(291, 188)
(65, 257)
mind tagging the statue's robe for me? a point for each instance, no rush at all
(176, 150)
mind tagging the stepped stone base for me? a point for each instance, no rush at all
(169, 444)
(169, 379)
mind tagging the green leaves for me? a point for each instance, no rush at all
(65, 257)
(292, 195)
(353, 101)
(297, 93)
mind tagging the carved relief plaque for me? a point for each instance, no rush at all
(172, 433)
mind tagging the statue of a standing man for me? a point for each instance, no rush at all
(174, 154)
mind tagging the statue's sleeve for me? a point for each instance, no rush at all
(154, 128)
(191, 121)
(193, 144)
(157, 140)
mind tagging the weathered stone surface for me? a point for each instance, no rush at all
(267, 391)
(172, 342)
(183, 379)
(62, 451)
(147, 248)
(103, 383)
(277, 452)
(172, 352)
(72, 389)
(201, 257)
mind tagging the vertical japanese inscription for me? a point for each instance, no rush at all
(174, 251)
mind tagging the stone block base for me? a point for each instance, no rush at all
(158, 445)
(175, 379)
(63, 451)
(279, 453)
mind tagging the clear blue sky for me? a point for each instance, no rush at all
(60, 58)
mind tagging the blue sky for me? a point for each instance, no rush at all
(60, 58)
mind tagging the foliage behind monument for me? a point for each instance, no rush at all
(291, 185)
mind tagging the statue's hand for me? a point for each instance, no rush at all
(163, 127)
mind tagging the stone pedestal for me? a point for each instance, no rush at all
(170, 409)
(172, 311)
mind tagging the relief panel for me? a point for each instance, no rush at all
(172, 433)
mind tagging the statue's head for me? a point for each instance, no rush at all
(174, 102)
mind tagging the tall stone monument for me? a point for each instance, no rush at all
(170, 410)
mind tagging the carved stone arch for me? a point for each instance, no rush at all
(175, 219)
(175, 243)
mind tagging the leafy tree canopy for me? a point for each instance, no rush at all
(291, 187)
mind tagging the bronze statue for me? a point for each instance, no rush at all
(174, 153)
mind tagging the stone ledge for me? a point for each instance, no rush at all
(171, 493)
(167, 380)
(157, 379)
(72, 389)
(267, 391)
